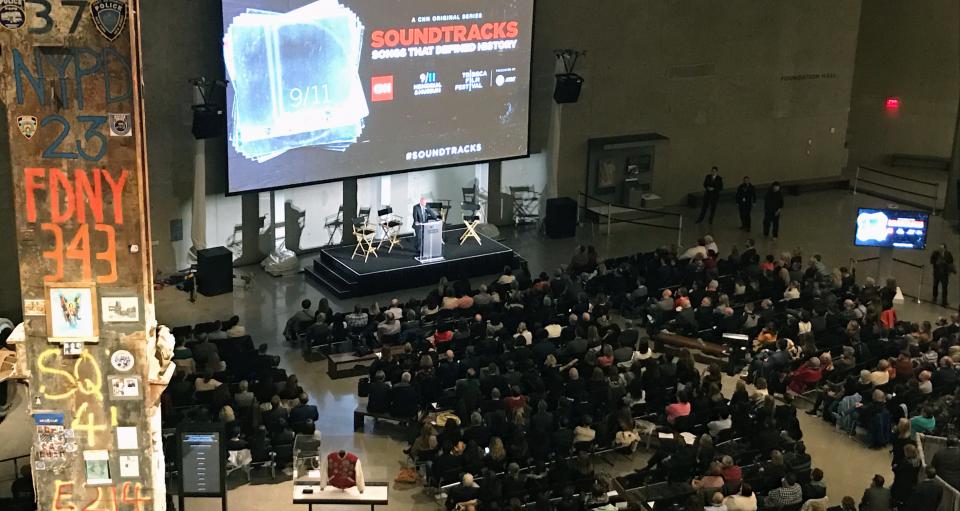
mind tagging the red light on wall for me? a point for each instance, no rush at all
(892, 103)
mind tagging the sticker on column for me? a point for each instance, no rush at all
(72, 348)
(120, 309)
(27, 125)
(109, 16)
(124, 387)
(97, 464)
(120, 125)
(12, 14)
(34, 308)
(122, 360)
(129, 467)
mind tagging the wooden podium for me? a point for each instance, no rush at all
(431, 242)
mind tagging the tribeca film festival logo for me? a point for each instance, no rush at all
(381, 88)
(428, 85)
(472, 80)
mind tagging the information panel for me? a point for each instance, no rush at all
(328, 89)
(201, 464)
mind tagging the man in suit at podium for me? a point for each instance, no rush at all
(421, 215)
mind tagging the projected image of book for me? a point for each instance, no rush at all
(296, 79)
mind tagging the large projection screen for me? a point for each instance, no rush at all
(330, 89)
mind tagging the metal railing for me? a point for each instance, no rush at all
(924, 193)
(921, 267)
(928, 445)
(16, 469)
(611, 218)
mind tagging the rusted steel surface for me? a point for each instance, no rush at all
(71, 94)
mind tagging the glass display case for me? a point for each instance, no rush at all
(306, 459)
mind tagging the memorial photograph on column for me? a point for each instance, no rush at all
(330, 89)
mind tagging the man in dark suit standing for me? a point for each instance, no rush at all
(772, 207)
(928, 493)
(421, 215)
(942, 262)
(746, 197)
(712, 186)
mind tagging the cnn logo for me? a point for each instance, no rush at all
(381, 88)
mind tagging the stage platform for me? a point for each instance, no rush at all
(346, 277)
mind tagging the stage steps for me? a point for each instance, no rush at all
(329, 279)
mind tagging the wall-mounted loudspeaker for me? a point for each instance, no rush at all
(208, 121)
(568, 87)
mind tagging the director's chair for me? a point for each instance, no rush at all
(364, 234)
(332, 224)
(471, 219)
(390, 224)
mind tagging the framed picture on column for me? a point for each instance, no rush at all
(72, 312)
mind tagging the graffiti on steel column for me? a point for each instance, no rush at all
(126, 497)
(77, 211)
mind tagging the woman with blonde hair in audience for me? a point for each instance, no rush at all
(925, 333)
(229, 420)
(227, 415)
(901, 439)
(711, 482)
(497, 457)
(906, 473)
(425, 442)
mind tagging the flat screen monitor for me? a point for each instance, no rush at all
(201, 462)
(322, 90)
(891, 228)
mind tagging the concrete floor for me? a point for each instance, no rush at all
(819, 222)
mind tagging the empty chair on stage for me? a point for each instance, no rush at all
(471, 219)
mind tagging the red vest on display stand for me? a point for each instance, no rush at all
(342, 472)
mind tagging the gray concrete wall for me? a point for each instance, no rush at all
(909, 50)
(708, 75)
(181, 41)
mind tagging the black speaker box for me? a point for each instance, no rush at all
(568, 87)
(214, 271)
(208, 121)
(561, 220)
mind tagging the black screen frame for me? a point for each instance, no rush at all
(526, 154)
(926, 231)
(207, 428)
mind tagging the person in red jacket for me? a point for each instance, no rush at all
(805, 376)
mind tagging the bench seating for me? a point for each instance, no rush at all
(919, 161)
(681, 341)
(790, 187)
(360, 365)
(361, 412)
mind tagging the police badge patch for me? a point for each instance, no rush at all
(109, 16)
(120, 125)
(12, 14)
(27, 125)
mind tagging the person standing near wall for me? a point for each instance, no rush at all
(746, 197)
(712, 186)
(942, 262)
(772, 208)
